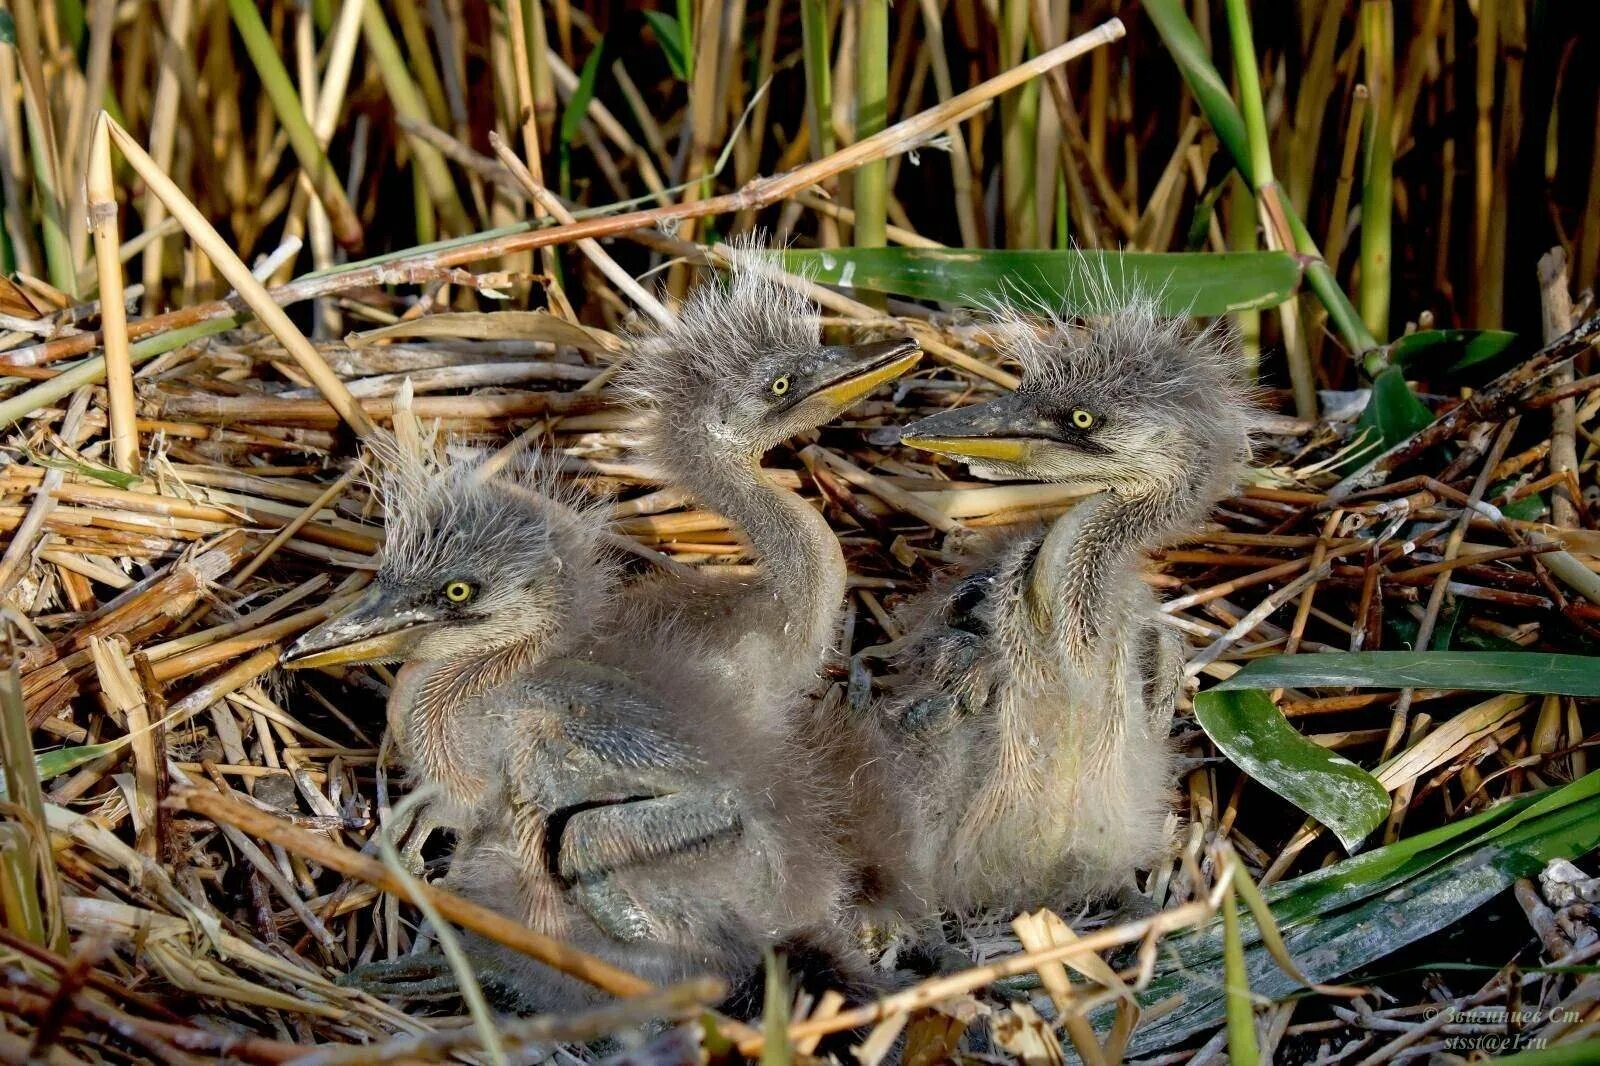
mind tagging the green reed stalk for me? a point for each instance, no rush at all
(872, 108)
(1272, 205)
(819, 76)
(1019, 122)
(263, 52)
(1194, 62)
(1377, 192)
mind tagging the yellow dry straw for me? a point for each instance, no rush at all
(253, 293)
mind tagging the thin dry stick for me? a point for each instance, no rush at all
(250, 290)
(425, 265)
(282, 537)
(589, 247)
(102, 194)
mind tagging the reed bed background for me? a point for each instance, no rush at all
(232, 231)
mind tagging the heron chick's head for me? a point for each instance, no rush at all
(744, 366)
(472, 563)
(1133, 400)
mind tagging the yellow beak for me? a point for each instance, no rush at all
(380, 647)
(1003, 448)
(376, 628)
(842, 394)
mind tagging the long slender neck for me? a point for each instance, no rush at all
(1088, 551)
(425, 709)
(802, 566)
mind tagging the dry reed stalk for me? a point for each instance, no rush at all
(176, 16)
(102, 205)
(549, 205)
(901, 137)
(239, 276)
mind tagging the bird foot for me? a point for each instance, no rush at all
(598, 844)
(1131, 906)
(426, 976)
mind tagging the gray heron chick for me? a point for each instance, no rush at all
(741, 370)
(1036, 693)
(612, 789)
(481, 578)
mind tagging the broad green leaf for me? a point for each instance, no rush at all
(1086, 282)
(1533, 672)
(670, 35)
(1392, 415)
(1417, 352)
(1347, 916)
(1253, 733)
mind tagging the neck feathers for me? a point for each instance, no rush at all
(436, 737)
(1091, 550)
(802, 566)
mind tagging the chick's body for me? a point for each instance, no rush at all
(1036, 692)
(613, 785)
(1034, 781)
(670, 840)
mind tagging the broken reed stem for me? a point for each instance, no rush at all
(102, 203)
(244, 282)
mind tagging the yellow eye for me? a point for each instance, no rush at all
(780, 386)
(459, 591)
(1082, 419)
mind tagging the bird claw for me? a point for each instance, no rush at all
(931, 714)
(411, 977)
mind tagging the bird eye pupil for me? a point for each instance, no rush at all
(1082, 419)
(458, 591)
(780, 386)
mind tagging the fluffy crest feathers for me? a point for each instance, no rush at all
(729, 324)
(441, 510)
(1134, 355)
